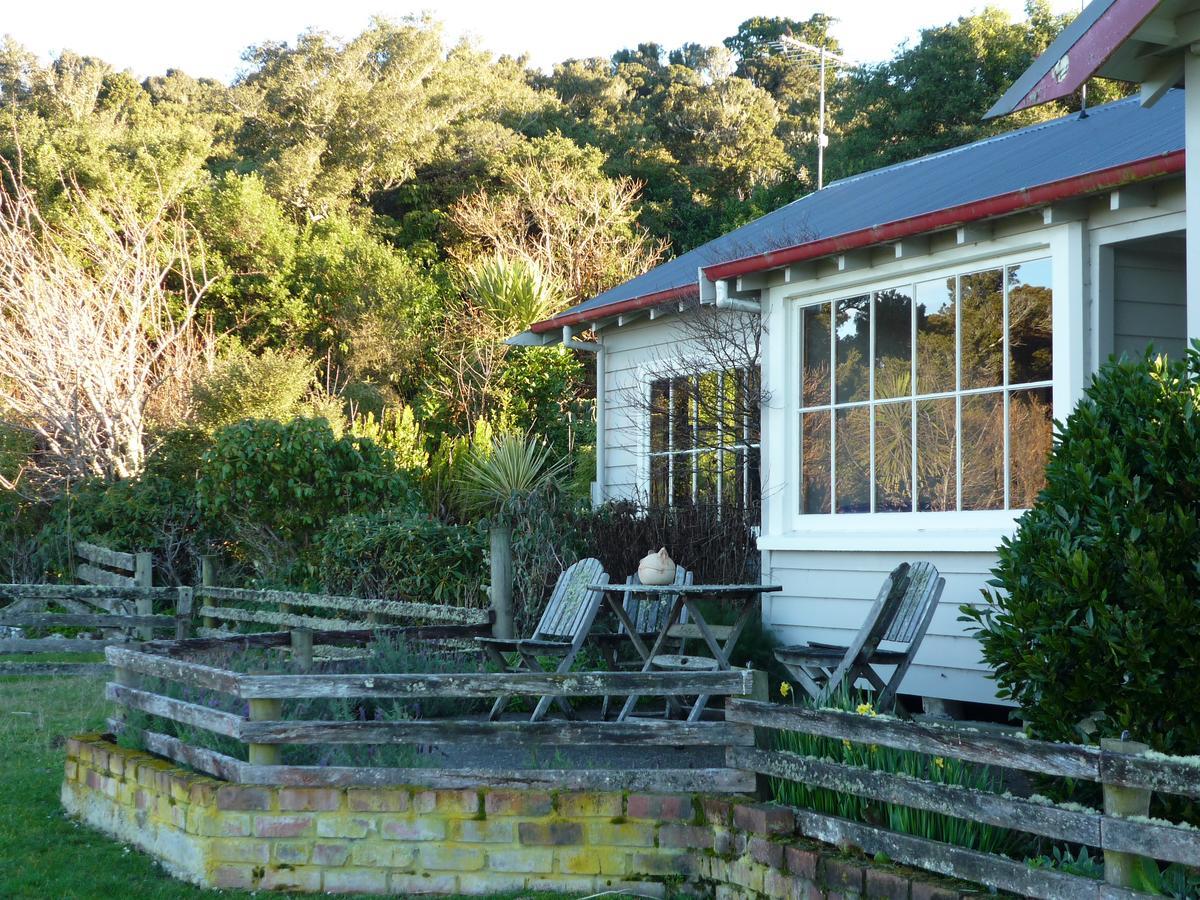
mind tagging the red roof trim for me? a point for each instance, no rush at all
(1002, 204)
(1090, 52)
(612, 309)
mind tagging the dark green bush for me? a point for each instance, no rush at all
(404, 554)
(1095, 611)
(272, 486)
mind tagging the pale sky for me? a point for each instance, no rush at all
(207, 38)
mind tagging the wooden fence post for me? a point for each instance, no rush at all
(183, 613)
(265, 711)
(208, 579)
(501, 575)
(302, 648)
(143, 574)
(1119, 868)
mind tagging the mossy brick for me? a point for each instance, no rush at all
(414, 829)
(696, 837)
(71, 770)
(924, 890)
(241, 850)
(550, 834)
(239, 797)
(116, 765)
(344, 826)
(304, 878)
(310, 799)
(233, 878)
(377, 854)
(565, 884)
(378, 800)
(203, 792)
(622, 834)
(92, 779)
(728, 843)
(325, 854)
(779, 884)
(447, 803)
(660, 807)
(518, 803)
(801, 861)
(444, 858)
(226, 825)
(841, 875)
(355, 881)
(99, 758)
(426, 883)
(882, 885)
(291, 853)
(662, 864)
(282, 826)
(717, 810)
(141, 800)
(748, 875)
(653, 889)
(592, 861)
(525, 860)
(74, 747)
(764, 818)
(483, 831)
(765, 852)
(587, 804)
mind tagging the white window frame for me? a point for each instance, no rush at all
(968, 530)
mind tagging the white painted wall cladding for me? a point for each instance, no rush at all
(832, 566)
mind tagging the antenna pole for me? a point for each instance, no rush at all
(821, 128)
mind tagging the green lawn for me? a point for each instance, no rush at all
(42, 853)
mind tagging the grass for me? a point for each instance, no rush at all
(43, 854)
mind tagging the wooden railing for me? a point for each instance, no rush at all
(117, 614)
(264, 730)
(112, 568)
(1119, 772)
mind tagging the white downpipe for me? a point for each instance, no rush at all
(724, 301)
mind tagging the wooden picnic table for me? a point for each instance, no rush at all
(681, 597)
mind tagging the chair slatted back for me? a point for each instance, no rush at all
(571, 601)
(920, 590)
(647, 613)
(882, 613)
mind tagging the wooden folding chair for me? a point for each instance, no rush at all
(562, 630)
(900, 617)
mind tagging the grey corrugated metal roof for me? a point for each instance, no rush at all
(1111, 135)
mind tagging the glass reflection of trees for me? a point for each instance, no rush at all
(934, 396)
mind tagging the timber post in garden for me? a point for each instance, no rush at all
(501, 575)
(265, 711)
(302, 648)
(143, 574)
(1119, 868)
(208, 579)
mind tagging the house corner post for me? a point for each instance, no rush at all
(598, 486)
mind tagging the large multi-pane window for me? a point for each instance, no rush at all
(704, 440)
(932, 396)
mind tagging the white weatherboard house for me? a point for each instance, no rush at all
(920, 326)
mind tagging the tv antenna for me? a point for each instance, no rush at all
(795, 48)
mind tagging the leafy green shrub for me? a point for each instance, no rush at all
(269, 384)
(1093, 612)
(406, 554)
(274, 485)
(934, 826)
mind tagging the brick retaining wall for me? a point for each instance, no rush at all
(414, 840)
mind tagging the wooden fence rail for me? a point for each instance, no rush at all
(1115, 834)
(263, 728)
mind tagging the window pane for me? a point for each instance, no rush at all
(935, 336)
(681, 479)
(659, 417)
(660, 481)
(733, 479)
(982, 298)
(816, 355)
(937, 466)
(733, 409)
(815, 462)
(1029, 317)
(1030, 432)
(708, 409)
(893, 457)
(681, 414)
(852, 478)
(853, 349)
(706, 478)
(754, 479)
(752, 397)
(983, 451)
(893, 344)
